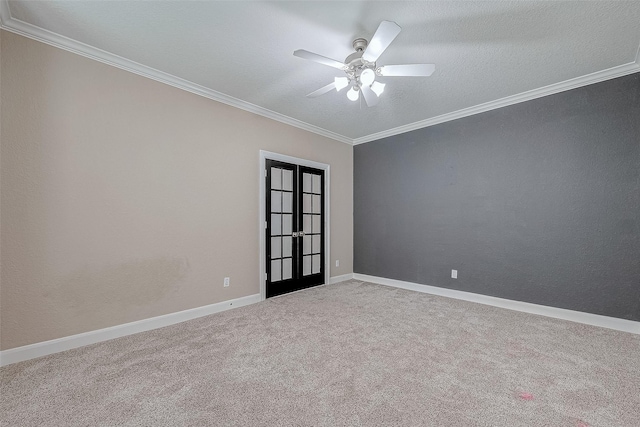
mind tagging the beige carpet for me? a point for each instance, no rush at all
(351, 354)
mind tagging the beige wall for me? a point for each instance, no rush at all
(1, 32)
(123, 198)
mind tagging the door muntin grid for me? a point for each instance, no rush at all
(282, 223)
(312, 212)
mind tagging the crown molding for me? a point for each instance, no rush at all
(599, 76)
(36, 33)
(5, 13)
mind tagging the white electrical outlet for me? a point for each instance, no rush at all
(337, 263)
(454, 274)
(226, 282)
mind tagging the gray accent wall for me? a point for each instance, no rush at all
(536, 202)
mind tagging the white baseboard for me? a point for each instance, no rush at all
(543, 310)
(45, 348)
(342, 278)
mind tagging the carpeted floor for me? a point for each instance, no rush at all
(351, 354)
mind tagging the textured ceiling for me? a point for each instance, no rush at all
(483, 51)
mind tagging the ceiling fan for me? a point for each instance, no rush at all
(361, 67)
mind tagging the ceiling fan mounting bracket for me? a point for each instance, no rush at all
(360, 44)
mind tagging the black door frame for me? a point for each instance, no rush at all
(264, 155)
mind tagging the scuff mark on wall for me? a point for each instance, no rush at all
(118, 287)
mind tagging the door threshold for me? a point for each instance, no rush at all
(295, 292)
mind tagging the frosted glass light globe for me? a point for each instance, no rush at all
(353, 94)
(367, 77)
(341, 83)
(378, 88)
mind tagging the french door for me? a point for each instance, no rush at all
(295, 227)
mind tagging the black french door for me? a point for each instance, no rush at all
(295, 227)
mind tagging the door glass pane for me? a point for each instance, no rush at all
(316, 264)
(276, 178)
(317, 207)
(275, 247)
(306, 245)
(316, 184)
(307, 224)
(287, 268)
(287, 202)
(306, 183)
(287, 226)
(306, 203)
(276, 201)
(276, 225)
(287, 246)
(287, 180)
(275, 270)
(315, 247)
(306, 265)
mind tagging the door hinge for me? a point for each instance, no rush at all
(265, 224)
(265, 173)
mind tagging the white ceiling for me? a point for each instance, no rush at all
(487, 54)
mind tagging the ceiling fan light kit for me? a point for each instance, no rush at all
(361, 68)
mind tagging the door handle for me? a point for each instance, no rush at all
(301, 233)
(294, 234)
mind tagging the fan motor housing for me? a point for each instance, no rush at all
(354, 61)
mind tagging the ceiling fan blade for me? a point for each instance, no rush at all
(322, 90)
(370, 96)
(305, 54)
(387, 31)
(407, 70)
